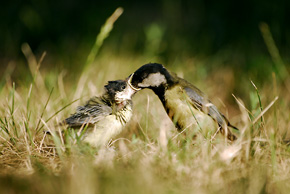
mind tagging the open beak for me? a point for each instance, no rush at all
(129, 83)
(128, 92)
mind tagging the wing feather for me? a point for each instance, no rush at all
(88, 114)
(199, 101)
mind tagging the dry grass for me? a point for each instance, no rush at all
(149, 156)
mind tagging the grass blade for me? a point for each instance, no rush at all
(12, 110)
(57, 113)
(274, 52)
(104, 33)
(36, 129)
(265, 110)
(260, 103)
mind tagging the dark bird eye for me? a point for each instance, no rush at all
(123, 87)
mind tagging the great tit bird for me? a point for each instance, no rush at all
(104, 117)
(180, 98)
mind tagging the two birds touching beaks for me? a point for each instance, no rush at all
(104, 117)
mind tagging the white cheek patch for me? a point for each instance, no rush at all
(126, 94)
(153, 80)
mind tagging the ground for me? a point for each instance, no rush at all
(150, 155)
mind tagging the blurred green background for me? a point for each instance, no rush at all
(167, 31)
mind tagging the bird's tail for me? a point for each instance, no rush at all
(230, 125)
(229, 134)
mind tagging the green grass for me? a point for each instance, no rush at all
(150, 156)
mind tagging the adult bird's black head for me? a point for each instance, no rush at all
(178, 96)
(153, 76)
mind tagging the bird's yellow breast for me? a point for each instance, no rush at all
(107, 128)
(181, 111)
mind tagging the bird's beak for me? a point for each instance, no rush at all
(129, 83)
(129, 91)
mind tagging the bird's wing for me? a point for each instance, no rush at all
(198, 100)
(88, 114)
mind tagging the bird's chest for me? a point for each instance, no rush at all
(108, 127)
(180, 110)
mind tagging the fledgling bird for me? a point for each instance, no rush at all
(106, 115)
(180, 98)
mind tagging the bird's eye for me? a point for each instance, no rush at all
(123, 87)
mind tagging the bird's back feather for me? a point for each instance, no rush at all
(200, 101)
(94, 110)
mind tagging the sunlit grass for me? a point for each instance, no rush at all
(149, 156)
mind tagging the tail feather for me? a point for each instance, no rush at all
(230, 135)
